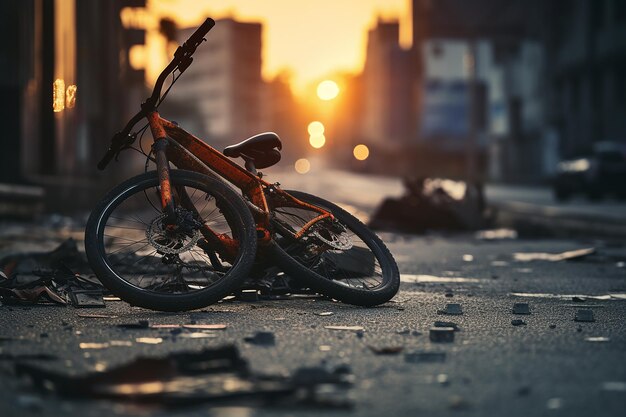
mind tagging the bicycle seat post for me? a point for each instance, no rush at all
(250, 165)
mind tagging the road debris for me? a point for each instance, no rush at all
(553, 257)
(432, 204)
(496, 234)
(441, 334)
(584, 315)
(521, 308)
(347, 328)
(93, 345)
(452, 309)
(325, 313)
(518, 322)
(149, 340)
(212, 376)
(447, 324)
(261, 339)
(139, 325)
(425, 357)
(96, 316)
(600, 339)
(386, 350)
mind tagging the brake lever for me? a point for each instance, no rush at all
(127, 145)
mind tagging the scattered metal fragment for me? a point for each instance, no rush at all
(247, 295)
(325, 313)
(120, 343)
(87, 298)
(213, 376)
(348, 328)
(600, 339)
(198, 335)
(111, 298)
(452, 309)
(518, 322)
(205, 326)
(553, 257)
(584, 315)
(521, 308)
(441, 334)
(418, 279)
(93, 345)
(262, 339)
(149, 340)
(96, 316)
(386, 350)
(447, 324)
(606, 297)
(424, 357)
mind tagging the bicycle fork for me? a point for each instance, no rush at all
(163, 166)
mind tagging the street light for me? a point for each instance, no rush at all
(361, 152)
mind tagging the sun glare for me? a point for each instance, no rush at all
(361, 152)
(317, 141)
(327, 90)
(302, 166)
(315, 128)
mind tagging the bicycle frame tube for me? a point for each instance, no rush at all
(163, 167)
(190, 152)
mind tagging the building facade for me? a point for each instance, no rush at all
(223, 86)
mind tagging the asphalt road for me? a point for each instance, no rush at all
(552, 365)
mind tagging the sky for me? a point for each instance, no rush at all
(311, 38)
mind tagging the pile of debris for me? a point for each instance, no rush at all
(434, 204)
(64, 277)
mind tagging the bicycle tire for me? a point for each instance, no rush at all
(231, 205)
(334, 288)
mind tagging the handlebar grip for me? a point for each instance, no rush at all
(107, 158)
(204, 28)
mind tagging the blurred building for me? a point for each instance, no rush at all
(480, 63)
(223, 84)
(388, 117)
(586, 71)
(65, 79)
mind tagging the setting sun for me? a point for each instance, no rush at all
(327, 90)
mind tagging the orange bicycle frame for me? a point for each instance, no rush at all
(188, 152)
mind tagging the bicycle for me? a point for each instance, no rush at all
(181, 239)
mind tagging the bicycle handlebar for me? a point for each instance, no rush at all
(181, 56)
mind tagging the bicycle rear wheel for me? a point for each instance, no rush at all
(342, 259)
(153, 263)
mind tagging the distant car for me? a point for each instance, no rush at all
(601, 173)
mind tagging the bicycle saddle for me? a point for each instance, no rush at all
(259, 149)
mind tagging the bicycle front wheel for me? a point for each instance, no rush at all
(151, 261)
(340, 258)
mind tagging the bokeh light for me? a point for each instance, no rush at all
(327, 90)
(361, 152)
(316, 128)
(302, 166)
(317, 141)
